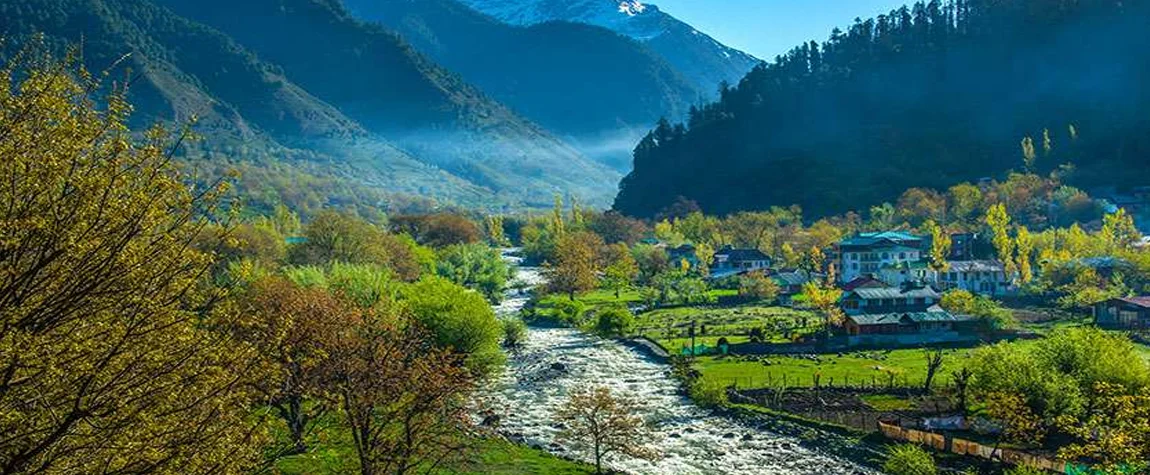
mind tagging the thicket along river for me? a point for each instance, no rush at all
(691, 440)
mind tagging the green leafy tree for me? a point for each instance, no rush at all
(614, 322)
(457, 319)
(475, 266)
(622, 269)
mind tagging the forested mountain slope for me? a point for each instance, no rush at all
(928, 95)
(352, 118)
(596, 88)
(377, 79)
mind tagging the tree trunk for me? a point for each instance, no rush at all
(296, 425)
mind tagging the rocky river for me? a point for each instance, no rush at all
(692, 440)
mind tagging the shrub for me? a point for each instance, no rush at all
(707, 393)
(514, 332)
(569, 311)
(615, 322)
(909, 459)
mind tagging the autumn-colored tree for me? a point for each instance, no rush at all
(825, 300)
(293, 328)
(109, 358)
(403, 397)
(1116, 434)
(495, 232)
(576, 263)
(1029, 156)
(999, 223)
(337, 237)
(437, 230)
(758, 286)
(616, 228)
(964, 200)
(813, 260)
(917, 205)
(1118, 230)
(1024, 243)
(622, 269)
(1019, 422)
(705, 256)
(604, 423)
(940, 244)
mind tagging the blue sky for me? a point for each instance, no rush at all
(766, 28)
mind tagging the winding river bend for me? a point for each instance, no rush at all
(692, 440)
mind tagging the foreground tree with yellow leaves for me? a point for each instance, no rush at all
(603, 423)
(108, 360)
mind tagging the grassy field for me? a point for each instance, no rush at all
(332, 452)
(670, 327)
(907, 367)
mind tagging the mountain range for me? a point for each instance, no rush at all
(596, 76)
(318, 107)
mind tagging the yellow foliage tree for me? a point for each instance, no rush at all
(108, 360)
(999, 221)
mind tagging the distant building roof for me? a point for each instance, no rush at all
(798, 277)
(295, 239)
(931, 316)
(1141, 301)
(1103, 262)
(864, 282)
(743, 255)
(876, 293)
(684, 249)
(977, 266)
(907, 265)
(882, 238)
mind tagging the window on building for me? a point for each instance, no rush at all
(902, 255)
(886, 255)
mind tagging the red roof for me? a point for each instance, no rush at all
(863, 281)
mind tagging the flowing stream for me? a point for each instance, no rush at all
(692, 440)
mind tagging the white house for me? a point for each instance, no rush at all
(869, 253)
(985, 277)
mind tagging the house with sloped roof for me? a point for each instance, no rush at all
(864, 282)
(899, 273)
(931, 321)
(1125, 313)
(686, 252)
(731, 261)
(984, 277)
(868, 253)
(910, 297)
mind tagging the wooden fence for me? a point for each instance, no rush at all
(965, 447)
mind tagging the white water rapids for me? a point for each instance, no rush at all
(692, 440)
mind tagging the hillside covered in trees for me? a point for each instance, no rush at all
(312, 106)
(926, 96)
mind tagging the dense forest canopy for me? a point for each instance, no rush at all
(928, 95)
